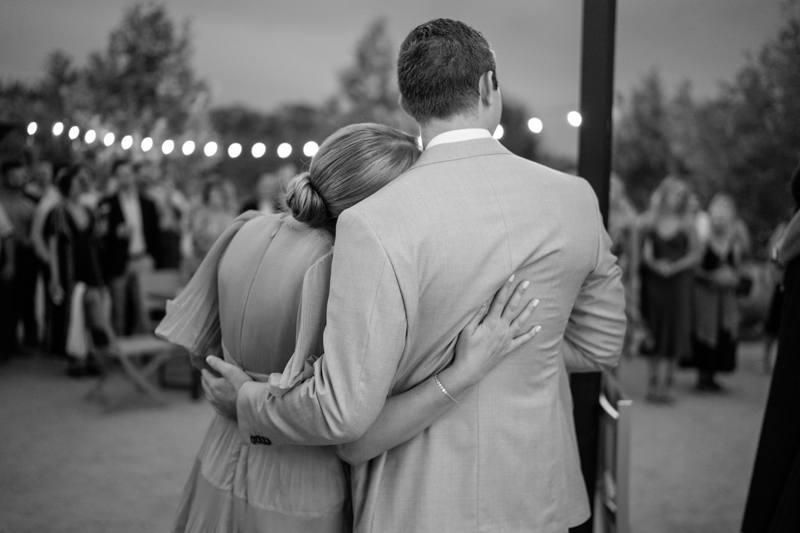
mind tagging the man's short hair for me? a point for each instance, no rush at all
(439, 69)
(118, 163)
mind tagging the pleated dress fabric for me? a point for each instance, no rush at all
(273, 272)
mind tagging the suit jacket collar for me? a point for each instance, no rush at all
(460, 150)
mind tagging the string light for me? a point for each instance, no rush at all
(284, 150)
(574, 118)
(498, 133)
(259, 149)
(535, 125)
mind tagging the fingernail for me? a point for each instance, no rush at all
(511, 278)
(538, 329)
(525, 284)
(536, 302)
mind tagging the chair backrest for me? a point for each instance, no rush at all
(612, 506)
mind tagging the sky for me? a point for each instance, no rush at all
(264, 53)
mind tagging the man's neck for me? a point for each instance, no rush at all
(437, 127)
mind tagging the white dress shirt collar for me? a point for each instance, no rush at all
(455, 136)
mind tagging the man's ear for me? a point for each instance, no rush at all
(487, 86)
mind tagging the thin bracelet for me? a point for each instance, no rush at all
(436, 378)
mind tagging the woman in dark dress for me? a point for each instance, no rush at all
(69, 233)
(670, 253)
(716, 311)
(773, 503)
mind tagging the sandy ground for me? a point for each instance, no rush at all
(68, 465)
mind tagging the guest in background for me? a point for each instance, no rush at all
(73, 260)
(622, 220)
(6, 277)
(267, 198)
(670, 253)
(209, 221)
(173, 209)
(775, 485)
(716, 312)
(772, 324)
(49, 197)
(90, 196)
(40, 181)
(20, 211)
(129, 226)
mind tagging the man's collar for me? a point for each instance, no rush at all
(455, 136)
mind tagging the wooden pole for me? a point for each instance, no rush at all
(594, 164)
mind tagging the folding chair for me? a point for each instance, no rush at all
(141, 356)
(158, 287)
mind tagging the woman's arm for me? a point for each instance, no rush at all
(481, 345)
(790, 243)
(56, 291)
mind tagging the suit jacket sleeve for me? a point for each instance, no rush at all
(596, 328)
(364, 339)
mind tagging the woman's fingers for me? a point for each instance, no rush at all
(500, 299)
(523, 316)
(513, 302)
(522, 339)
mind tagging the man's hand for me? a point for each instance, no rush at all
(222, 391)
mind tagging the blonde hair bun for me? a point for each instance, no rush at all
(305, 202)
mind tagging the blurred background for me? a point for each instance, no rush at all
(214, 106)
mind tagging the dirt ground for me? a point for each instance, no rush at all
(68, 465)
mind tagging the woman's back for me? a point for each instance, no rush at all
(260, 285)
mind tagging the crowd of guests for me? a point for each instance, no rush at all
(77, 240)
(684, 276)
(62, 228)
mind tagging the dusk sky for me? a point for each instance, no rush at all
(262, 53)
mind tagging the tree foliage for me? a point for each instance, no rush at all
(745, 140)
(145, 74)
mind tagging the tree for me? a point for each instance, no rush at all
(368, 88)
(642, 152)
(145, 75)
(763, 125)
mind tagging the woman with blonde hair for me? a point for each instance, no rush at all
(260, 298)
(670, 253)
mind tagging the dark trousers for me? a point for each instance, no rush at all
(26, 273)
(18, 303)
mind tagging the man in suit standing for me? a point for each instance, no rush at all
(130, 238)
(411, 265)
(20, 307)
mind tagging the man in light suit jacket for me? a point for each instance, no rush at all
(411, 265)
